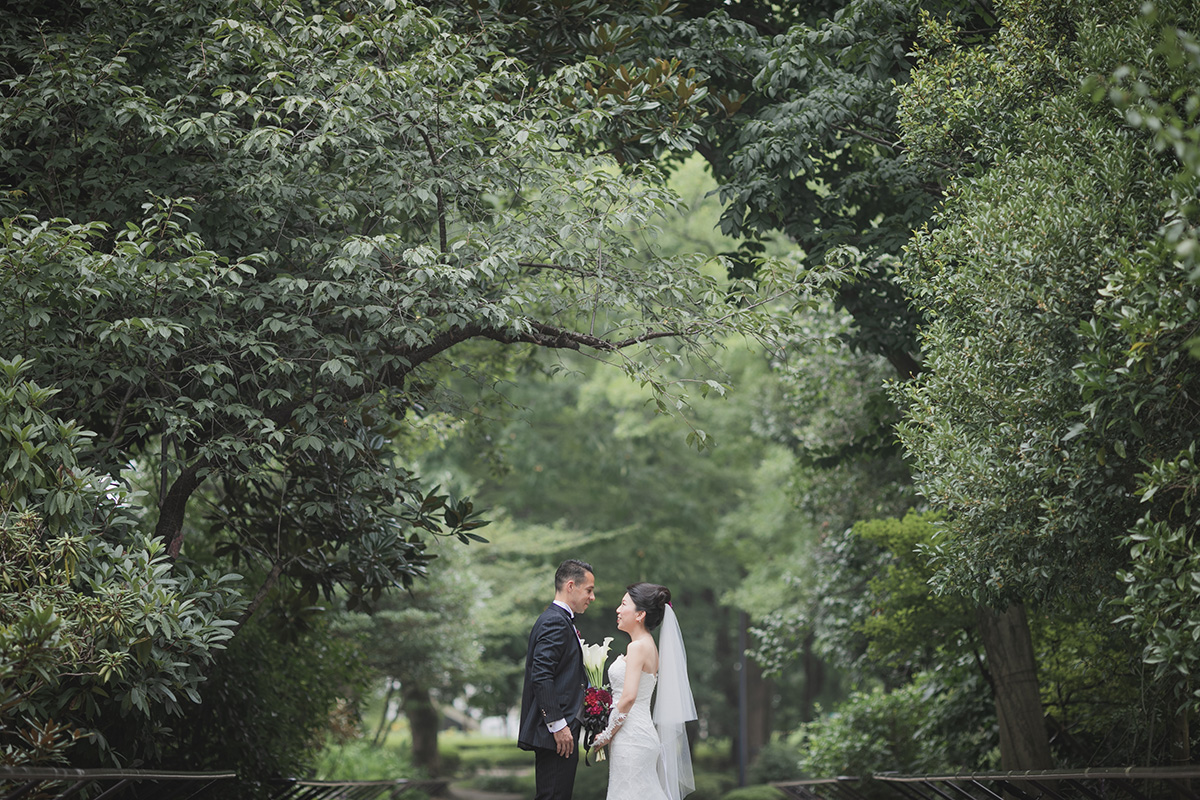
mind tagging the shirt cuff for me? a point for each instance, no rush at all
(557, 725)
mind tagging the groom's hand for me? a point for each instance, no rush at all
(564, 741)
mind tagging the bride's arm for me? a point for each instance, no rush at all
(635, 659)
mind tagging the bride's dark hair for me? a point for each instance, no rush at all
(651, 598)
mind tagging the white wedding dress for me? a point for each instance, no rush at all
(634, 751)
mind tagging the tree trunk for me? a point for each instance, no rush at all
(814, 678)
(1024, 743)
(1181, 744)
(263, 590)
(423, 721)
(384, 718)
(758, 718)
(172, 507)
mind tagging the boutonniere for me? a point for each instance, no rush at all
(578, 635)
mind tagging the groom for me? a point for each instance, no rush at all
(555, 682)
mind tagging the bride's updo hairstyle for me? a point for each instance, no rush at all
(651, 598)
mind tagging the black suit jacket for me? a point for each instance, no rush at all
(555, 680)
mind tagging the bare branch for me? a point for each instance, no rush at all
(441, 202)
(895, 147)
(556, 267)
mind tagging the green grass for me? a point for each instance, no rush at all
(359, 761)
(509, 784)
(477, 754)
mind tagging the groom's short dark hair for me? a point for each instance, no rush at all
(571, 570)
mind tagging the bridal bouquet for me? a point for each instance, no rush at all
(597, 700)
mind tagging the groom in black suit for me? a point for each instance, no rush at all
(555, 682)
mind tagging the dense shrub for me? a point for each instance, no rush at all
(268, 703)
(779, 760)
(591, 783)
(754, 792)
(470, 756)
(712, 754)
(712, 785)
(939, 722)
(361, 761)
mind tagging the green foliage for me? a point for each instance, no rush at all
(819, 155)
(478, 754)
(926, 726)
(97, 633)
(966, 104)
(359, 760)
(1095, 693)
(595, 473)
(1009, 278)
(591, 783)
(272, 333)
(1137, 376)
(778, 760)
(712, 754)
(256, 247)
(828, 610)
(815, 150)
(909, 626)
(713, 785)
(753, 792)
(509, 784)
(270, 702)
(424, 636)
(1055, 422)
(828, 406)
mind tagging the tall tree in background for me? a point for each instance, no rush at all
(423, 643)
(1036, 280)
(246, 242)
(1151, 323)
(791, 104)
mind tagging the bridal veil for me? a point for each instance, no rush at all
(673, 708)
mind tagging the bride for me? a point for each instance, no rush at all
(648, 754)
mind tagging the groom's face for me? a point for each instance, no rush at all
(580, 595)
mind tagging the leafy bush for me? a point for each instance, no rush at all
(361, 761)
(269, 703)
(494, 754)
(591, 783)
(98, 635)
(712, 755)
(506, 784)
(779, 760)
(754, 792)
(939, 722)
(712, 785)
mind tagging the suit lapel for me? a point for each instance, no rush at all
(571, 623)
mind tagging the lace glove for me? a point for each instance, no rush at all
(615, 721)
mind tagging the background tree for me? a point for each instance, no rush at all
(792, 106)
(1042, 235)
(1151, 323)
(244, 241)
(592, 471)
(423, 644)
(286, 685)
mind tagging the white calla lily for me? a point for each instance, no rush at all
(594, 656)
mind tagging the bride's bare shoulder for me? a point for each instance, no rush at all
(643, 652)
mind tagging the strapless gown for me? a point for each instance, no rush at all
(634, 752)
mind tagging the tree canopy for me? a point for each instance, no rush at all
(245, 245)
(252, 254)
